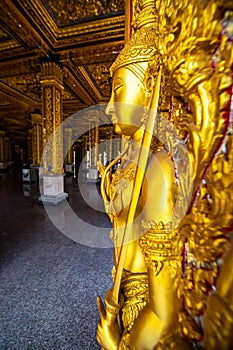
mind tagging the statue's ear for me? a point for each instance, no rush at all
(149, 85)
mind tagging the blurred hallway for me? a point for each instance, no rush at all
(48, 282)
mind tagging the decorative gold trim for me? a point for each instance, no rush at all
(19, 98)
(84, 73)
(83, 32)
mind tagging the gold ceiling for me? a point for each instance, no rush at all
(84, 37)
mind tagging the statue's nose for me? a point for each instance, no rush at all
(110, 108)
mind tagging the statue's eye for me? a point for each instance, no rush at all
(117, 87)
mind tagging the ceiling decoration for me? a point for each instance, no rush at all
(3, 36)
(100, 75)
(83, 37)
(28, 84)
(71, 11)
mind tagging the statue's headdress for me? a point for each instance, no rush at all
(142, 46)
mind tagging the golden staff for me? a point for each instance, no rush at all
(140, 171)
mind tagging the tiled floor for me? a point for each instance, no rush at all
(50, 275)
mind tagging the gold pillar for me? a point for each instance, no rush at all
(93, 141)
(84, 150)
(2, 136)
(37, 138)
(51, 82)
(68, 145)
(96, 154)
(85, 145)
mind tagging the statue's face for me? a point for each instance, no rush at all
(126, 106)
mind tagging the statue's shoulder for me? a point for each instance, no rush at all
(161, 164)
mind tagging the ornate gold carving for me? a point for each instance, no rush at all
(33, 35)
(69, 95)
(197, 66)
(28, 84)
(144, 13)
(73, 78)
(122, 177)
(48, 110)
(51, 72)
(15, 21)
(73, 34)
(140, 48)
(3, 35)
(68, 145)
(51, 81)
(218, 321)
(100, 74)
(188, 267)
(159, 243)
(90, 84)
(103, 53)
(70, 12)
(13, 95)
(134, 288)
(206, 232)
(37, 139)
(10, 45)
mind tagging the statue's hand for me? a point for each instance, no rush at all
(108, 332)
(101, 168)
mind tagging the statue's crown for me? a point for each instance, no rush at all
(144, 14)
(141, 47)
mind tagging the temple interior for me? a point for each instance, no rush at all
(49, 281)
(144, 220)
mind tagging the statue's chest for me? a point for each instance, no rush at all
(121, 188)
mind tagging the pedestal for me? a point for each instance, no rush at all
(52, 189)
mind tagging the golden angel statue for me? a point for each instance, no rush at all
(170, 199)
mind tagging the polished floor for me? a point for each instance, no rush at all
(50, 275)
